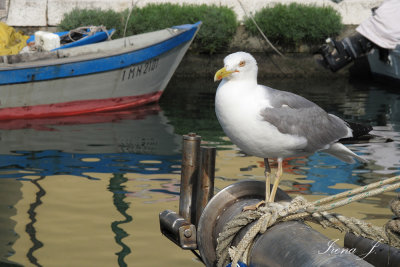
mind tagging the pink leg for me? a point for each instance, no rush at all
(277, 180)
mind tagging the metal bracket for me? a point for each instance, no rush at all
(178, 230)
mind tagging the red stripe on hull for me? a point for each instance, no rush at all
(77, 107)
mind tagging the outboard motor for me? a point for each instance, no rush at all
(337, 54)
(379, 32)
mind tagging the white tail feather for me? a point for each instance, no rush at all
(341, 152)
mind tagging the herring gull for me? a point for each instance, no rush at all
(269, 123)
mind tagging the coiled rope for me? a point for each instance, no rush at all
(300, 208)
(394, 224)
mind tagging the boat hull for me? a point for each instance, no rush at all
(387, 70)
(106, 83)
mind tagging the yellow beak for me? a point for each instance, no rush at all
(222, 73)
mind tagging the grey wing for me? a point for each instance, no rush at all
(313, 123)
(279, 98)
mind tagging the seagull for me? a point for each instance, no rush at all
(269, 123)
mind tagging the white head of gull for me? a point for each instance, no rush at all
(269, 123)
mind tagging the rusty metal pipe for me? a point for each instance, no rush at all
(205, 186)
(189, 175)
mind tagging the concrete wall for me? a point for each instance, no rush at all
(50, 12)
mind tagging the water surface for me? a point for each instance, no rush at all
(87, 190)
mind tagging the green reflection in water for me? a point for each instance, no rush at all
(119, 195)
(30, 228)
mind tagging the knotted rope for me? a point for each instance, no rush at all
(394, 224)
(299, 208)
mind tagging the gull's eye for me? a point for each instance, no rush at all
(242, 63)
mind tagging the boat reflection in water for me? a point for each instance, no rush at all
(130, 136)
(65, 184)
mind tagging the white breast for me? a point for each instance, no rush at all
(237, 106)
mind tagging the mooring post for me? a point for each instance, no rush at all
(189, 175)
(180, 228)
(205, 185)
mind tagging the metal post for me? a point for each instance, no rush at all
(297, 244)
(205, 186)
(374, 252)
(189, 175)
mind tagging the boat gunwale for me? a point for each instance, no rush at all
(65, 67)
(60, 59)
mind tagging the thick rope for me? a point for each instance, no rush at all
(394, 224)
(299, 208)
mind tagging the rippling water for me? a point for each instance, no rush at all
(87, 190)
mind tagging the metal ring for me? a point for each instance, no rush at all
(242, 193)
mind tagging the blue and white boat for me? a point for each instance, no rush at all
(88, 35)
(109, 75)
